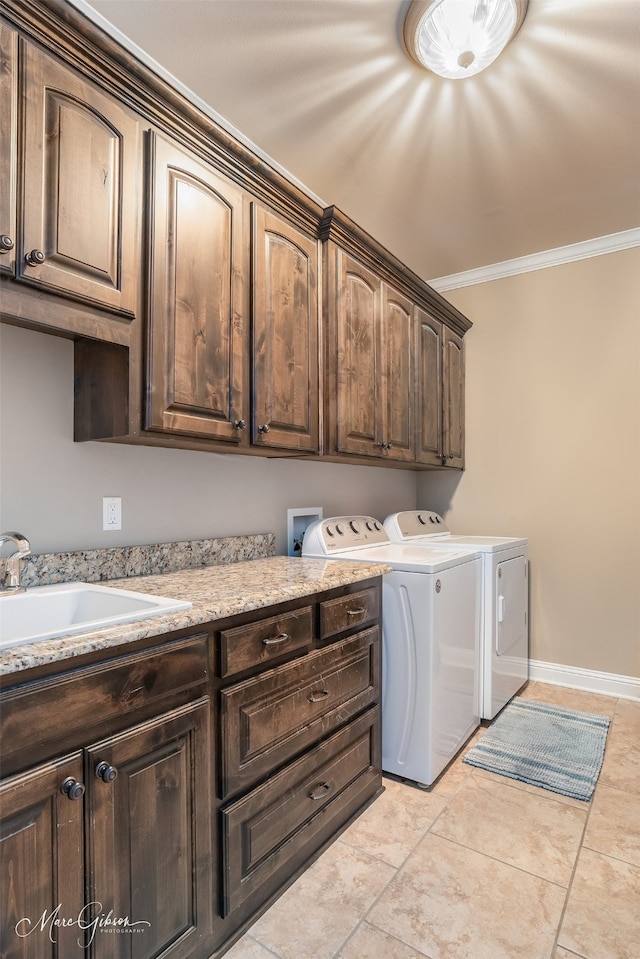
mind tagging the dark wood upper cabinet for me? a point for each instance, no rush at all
(354, 362)
(197, 298)
(396, 376)
(8, 147)
(428, 352)
(79, 206)
(370, 349)
(286, 380)
(454, 386)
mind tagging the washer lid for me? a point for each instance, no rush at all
(483, 544)
(408, 558)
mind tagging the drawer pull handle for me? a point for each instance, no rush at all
(323, 790)
(356, 612)
(318, 697)
(277, 640)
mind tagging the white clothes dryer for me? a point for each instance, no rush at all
(430, 641)
(504, 643)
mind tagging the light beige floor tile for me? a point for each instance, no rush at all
(248, 948)
(319, 911)
(561, 953)
(614, 825)
(571, 698)
(367, 942)
(390, 828)
(534, 833)
(456, 773)
(451, 902)
(602, 918)
(621, 767)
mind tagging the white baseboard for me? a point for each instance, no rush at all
(590, 680)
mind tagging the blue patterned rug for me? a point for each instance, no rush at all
(549, 746)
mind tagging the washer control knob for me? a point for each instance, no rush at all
(432, 519)
(370, 525)
(329, 530)
(421, 519)
(377, 524)
(354, 526)
(339, 529)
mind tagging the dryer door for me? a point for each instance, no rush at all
(511, 607)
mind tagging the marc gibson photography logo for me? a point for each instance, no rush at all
(90, 919)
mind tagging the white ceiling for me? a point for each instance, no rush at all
(541, 150)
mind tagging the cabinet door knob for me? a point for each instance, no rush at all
(323, 790)
(35, 258)
(276, 640)
(6, 243)
(239, 424)
(318, 697)
(264, 428)
(72, 789)
(106, 773)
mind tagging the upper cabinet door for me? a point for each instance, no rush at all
(8, 147)
(429, 389)
(286, 397)
(197, 305)
(357, 359)
(453, 378)
(398, 430)
(81, 190)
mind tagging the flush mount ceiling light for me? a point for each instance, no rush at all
(459, 38)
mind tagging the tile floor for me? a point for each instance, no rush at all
(480, 867)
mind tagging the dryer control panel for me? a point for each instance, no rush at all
(420, 522)
(343, 532)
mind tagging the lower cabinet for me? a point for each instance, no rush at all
(176, 790)
(145, 795)
(41, 860)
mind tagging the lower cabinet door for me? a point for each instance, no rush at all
(41, 862)
(149, 845)
(274, 829)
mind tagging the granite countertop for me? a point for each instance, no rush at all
(216, 592)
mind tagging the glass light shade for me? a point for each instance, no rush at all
(459, 38)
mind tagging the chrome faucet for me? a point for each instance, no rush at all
(10, 576)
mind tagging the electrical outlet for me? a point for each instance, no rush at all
(111, 512)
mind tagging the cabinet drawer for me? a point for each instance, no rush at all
(63, 709)
(246, 646)
(348, 612)
(267, 720)
(266, 829)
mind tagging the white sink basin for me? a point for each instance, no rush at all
(45, 612)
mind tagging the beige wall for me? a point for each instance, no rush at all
(553, 449)
(52, 488)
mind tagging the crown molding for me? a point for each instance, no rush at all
(539, 261)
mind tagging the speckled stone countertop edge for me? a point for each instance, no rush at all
(215, 592)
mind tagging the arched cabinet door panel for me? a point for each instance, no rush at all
(81, 197)
(196, 309)
(453, 387)
(286, 366)
(429, 389)
(357, 358)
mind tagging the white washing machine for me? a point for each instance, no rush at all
(504, 642)
(430, 641)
